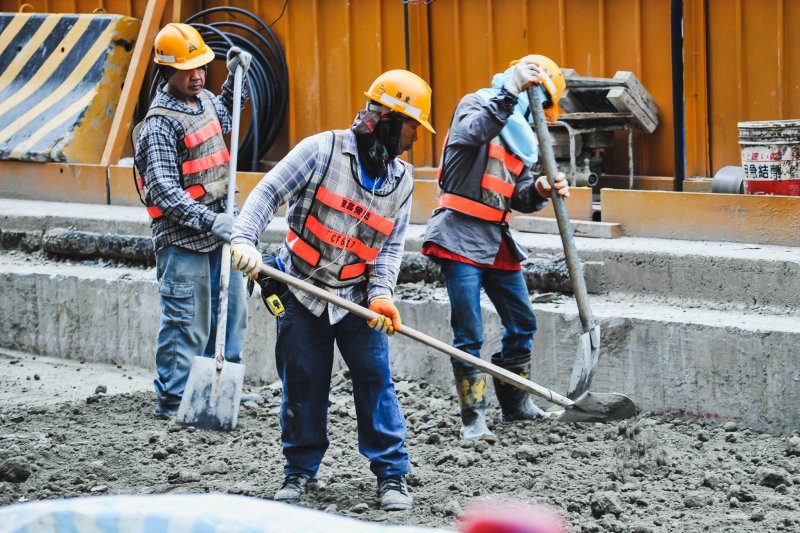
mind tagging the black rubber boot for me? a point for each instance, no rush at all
(471, 389)
(515, 403)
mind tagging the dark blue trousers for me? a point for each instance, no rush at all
(509, 294)
(304, 355)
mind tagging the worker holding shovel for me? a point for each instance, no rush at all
(485, 173)
(349, 200)
(181, 159)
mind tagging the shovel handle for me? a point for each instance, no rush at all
(225, 262)
(560, 207)
(500, 373)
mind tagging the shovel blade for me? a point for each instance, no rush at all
(599, 407)
(211, 399)
(585, 363)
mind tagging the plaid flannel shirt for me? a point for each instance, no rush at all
(285, 183)
(160, 151)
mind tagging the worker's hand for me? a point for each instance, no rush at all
(389, 321)
(523, 75)
(562, 186)
(222, 227)
(246, 257)
(236, 57)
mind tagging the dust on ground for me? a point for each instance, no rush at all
(652, 473)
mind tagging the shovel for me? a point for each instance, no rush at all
(589, 342)
(214, 388)
(589, 407)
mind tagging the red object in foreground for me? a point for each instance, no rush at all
(512, 518)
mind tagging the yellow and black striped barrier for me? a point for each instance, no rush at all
(60, 81)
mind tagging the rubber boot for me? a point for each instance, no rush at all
(516, 404)
(471, 389)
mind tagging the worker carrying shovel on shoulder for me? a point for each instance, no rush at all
(485, 172)
(182, 165)
(349, 201)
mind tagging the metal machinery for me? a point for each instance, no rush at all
(592, 110)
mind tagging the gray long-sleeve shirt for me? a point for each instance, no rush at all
(475, 123)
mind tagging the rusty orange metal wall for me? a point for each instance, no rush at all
(748, 69)
(740, 59)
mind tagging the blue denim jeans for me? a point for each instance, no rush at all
(188, 285)
(304, 355)
(509, 294)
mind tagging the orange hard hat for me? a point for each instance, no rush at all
(180, 46)
(404, 92)
(554, 83)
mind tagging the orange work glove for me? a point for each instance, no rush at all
(389, 321)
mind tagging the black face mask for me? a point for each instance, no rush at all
(378, 140)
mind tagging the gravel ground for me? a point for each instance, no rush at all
(652, 473)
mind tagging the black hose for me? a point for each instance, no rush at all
(267, 78)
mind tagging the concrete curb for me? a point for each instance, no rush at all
(703, 362)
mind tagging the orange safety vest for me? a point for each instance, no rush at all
(493, 203)
(344, 225)
(204, 174)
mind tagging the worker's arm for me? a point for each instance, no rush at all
(476, 121)
(158, 143)
(284, 182)
(382, 275)
(223, 103)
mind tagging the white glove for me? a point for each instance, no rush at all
(222, 227)
(246, 257)
(237, 56)
(523, 75)
(562, 186)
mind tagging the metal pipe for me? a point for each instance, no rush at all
(678, 104)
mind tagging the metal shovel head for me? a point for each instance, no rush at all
(211, 399)
(599, 407)
(585, 363)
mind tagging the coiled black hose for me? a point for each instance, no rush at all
(267, 78)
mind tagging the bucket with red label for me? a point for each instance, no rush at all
(771, 156)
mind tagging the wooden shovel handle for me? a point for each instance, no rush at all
(500, 373)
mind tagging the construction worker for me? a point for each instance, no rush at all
(182, 165)
(484, 174)
(349, 200)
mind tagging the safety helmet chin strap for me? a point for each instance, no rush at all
(377, 132)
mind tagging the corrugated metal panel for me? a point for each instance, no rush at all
(740, 57)
(753, 69)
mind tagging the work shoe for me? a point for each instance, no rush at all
(393, 494)
(294, 486)
(163, 412)
(516, 404)
(471, 389)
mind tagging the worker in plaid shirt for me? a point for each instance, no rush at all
(182, 165)
(349, 200)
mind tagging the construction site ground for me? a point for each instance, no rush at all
(702, 336)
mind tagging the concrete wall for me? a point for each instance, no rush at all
(704, 362)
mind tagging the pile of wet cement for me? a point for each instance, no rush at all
(651, 473)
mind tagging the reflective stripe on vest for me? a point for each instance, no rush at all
(340, 240)
(355, 209)
(194, 192)
(352, 271)
(473, 208)
(204, 163)
(301, 248)
(513, 164)
(493, 183)
(203, 134)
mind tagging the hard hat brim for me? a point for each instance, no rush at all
(195, 62)
(427, 126)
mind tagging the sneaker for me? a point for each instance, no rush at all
(294, 486)
(162, 412)
(393, 494)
